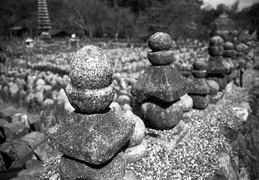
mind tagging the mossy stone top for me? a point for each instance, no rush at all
(90, 68)
(160, 41)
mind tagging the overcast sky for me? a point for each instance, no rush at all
(243, 3)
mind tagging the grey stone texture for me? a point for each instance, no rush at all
(92, 138)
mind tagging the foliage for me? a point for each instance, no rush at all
(125, 18)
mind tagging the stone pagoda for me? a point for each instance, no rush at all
(92, 138)
(199, 87)
(44, 25)
(218, 66)
(161, 88)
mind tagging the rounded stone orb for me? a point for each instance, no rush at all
(90, 101)
(90, 68)
(161, 57)
(200, 65)
(216, 41)
(160, 41)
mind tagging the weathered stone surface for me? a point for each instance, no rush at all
(20, 117)
(214, 87)
(90, 101)
(90, 68)
(200, 101)
(199, 73)
(7, 113)
(215, 50)
(199, 86)
(46, 153)
(228, 45)
(15, 130)
(130, 175)
(219, 66)
(214, 98)
(161, 57)
(230, 53)
(135, 153)
(35, 171)
(241, 47)
(216, 41)
(139, 130)
(220, 79)
(227, 166)
(92, 138)
(123, 99)
(115, 106)
(162, 116)
(232, 75)
(200, 65)
(17, 150)
(160, 41)
(34, 139)
(71, 169)
(161, 83)
(187, 102)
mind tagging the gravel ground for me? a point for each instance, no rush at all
(195, 156)
(189, 151)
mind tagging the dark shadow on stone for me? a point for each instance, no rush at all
(2, 135)
(101, 112)
(92, 165)
(7, 160)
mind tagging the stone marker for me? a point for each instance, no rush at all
(199, 88)
(217, 65)
(159, 89)
(92, 136)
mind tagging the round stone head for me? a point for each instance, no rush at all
(90, 90)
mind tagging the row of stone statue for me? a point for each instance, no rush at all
(96, 141)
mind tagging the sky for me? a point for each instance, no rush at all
(242, 4)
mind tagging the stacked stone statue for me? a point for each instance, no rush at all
(199, 87)
(218, 66)
(92, 137)
(230, 53)
(161, 90)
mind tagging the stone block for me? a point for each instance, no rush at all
(215, 50)
(17, 150)
(199, 86)
(162, 116)
(72, 169)
(137, 152)
(160, 58)
(7, 113)
(90, 101)
(14, 130)
(199, 73)
(200, 101)
(45, 152)
(34, 139)
(160, 83)
(91, 138)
